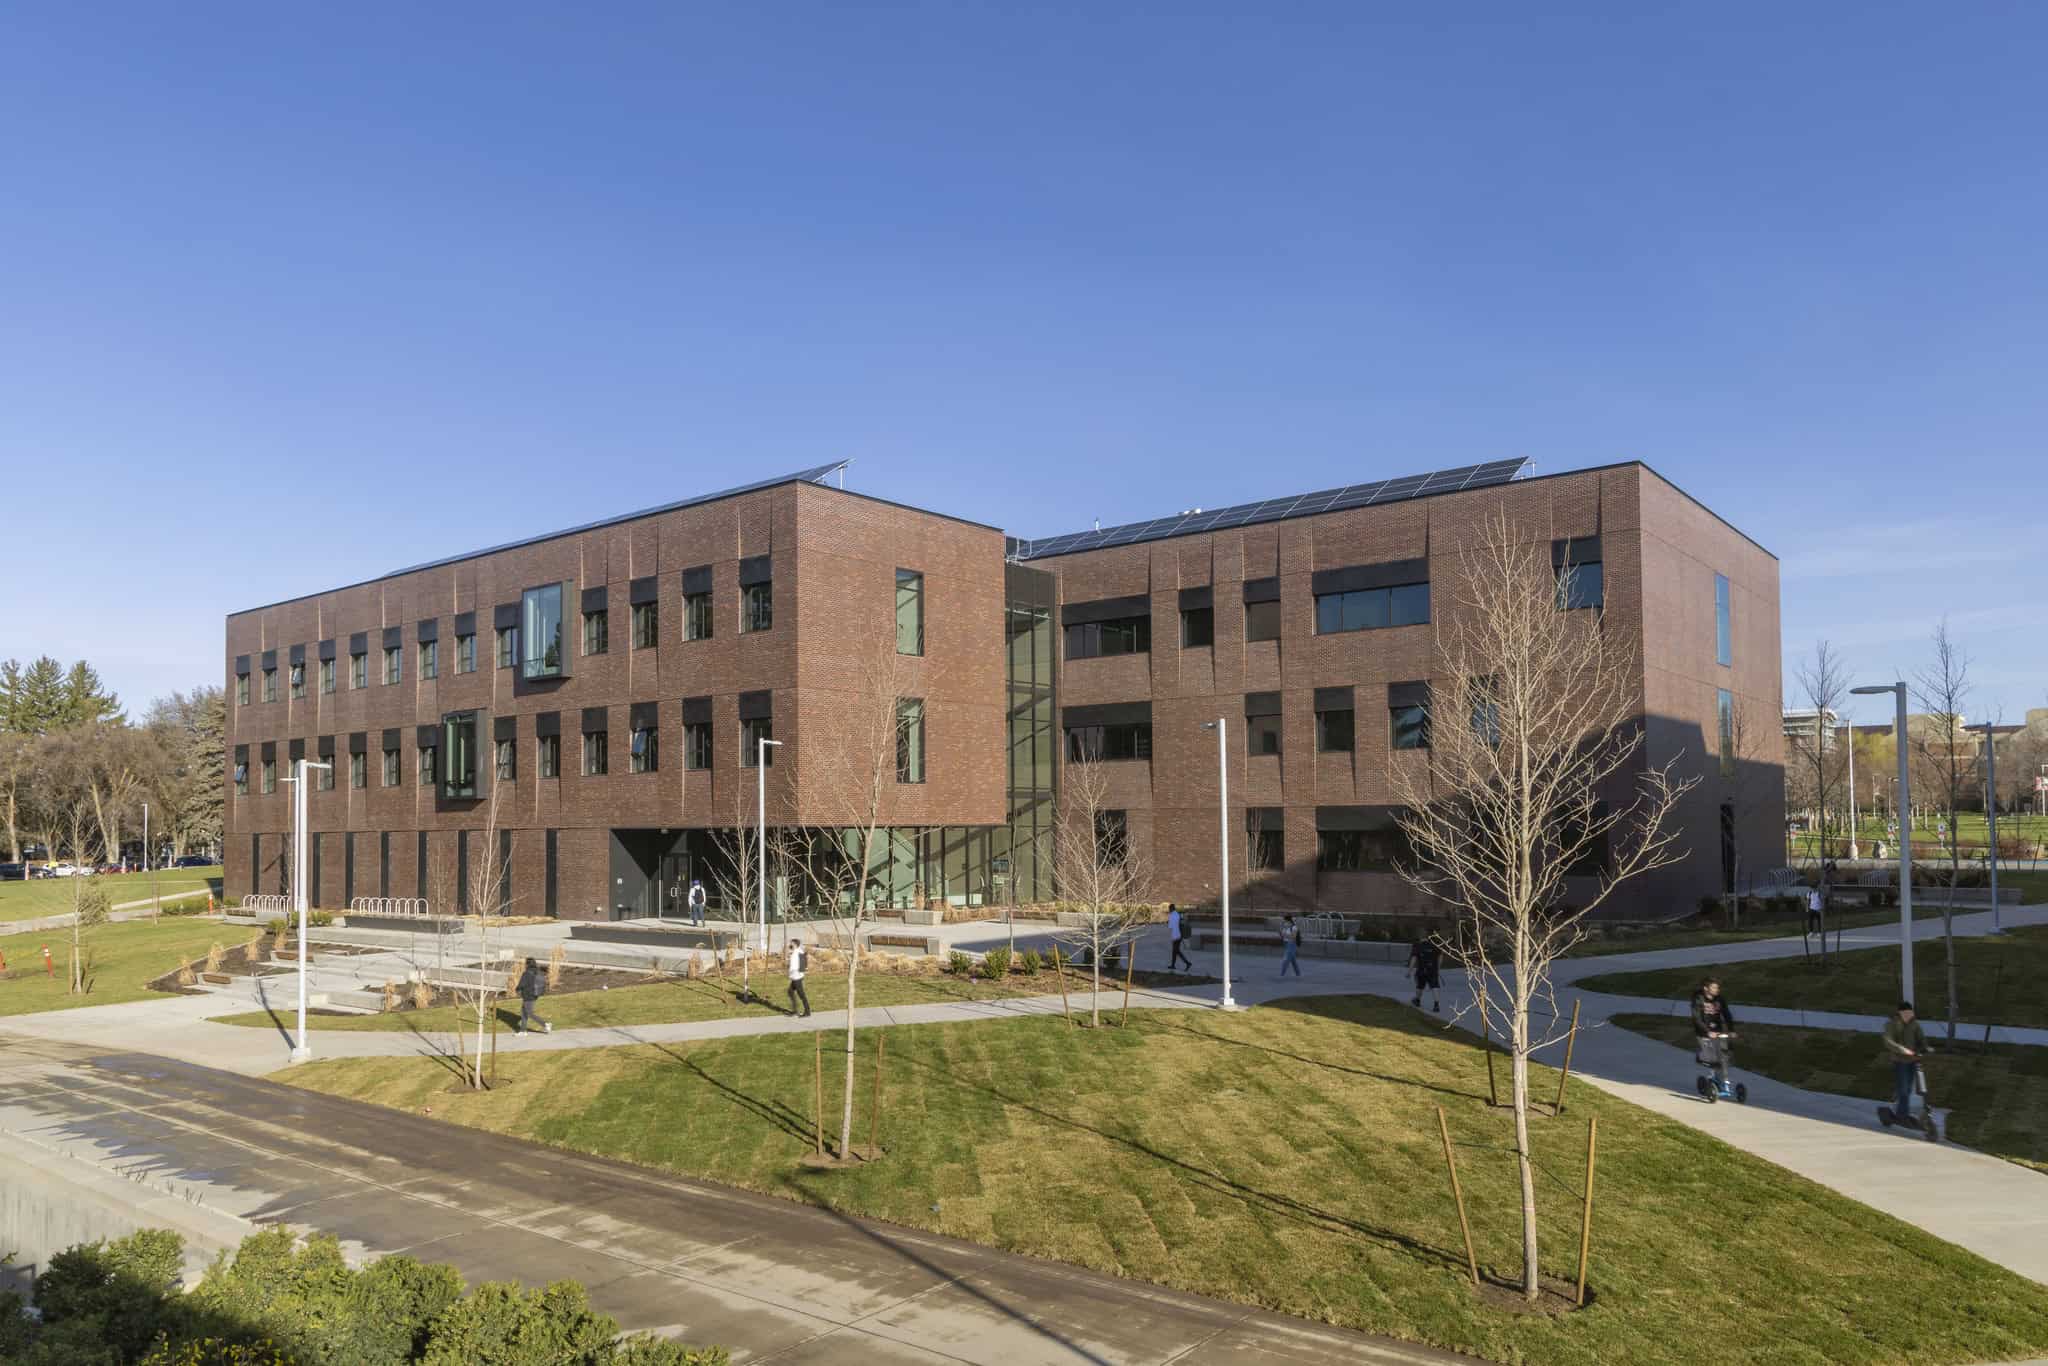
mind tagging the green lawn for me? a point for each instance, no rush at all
(1972, 833)
(1998, 980)
(52, 896)
(1997, 1098)
(125, 957)
(1754, 927)
(1287, 1157)
(707, 998)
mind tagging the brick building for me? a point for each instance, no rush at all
(592, 701)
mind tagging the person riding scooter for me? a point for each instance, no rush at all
(1713, 1026)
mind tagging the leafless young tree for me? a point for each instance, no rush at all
(1823, 682)
(1536, 774)
(1948, 764)
(64, 784)
(1097, 871)
(850, 777)
(487, 901)
(737, 876)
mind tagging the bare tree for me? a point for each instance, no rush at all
(876, 736)
(487, 901)
(1742, 773)
(1098, 871)
(1823, 683)
(1948, 762)
(737, 876)
(1536, 775)
(64, 777)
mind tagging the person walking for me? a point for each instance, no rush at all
(533, 984)
(1176, 931)
(1425, 966)
(696, 903)
(1290, 943)
(1713, 1025)
(1905, 1043)
(798, 961)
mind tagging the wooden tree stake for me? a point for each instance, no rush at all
(1586, 1217)
(1569, 1040)
(818, 1092)
(875, 1104)
(1060, 968)
(494, 1046)
(1130, 971)
(1458, 1194)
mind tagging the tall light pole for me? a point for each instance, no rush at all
(1904, 801)
(156, 898)
(1853, 854)
(1221, 725)
(1991, 810)
(761, 836)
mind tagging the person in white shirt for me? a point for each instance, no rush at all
(798, 960)
(1176, 931)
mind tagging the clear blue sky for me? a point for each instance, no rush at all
(295, 295)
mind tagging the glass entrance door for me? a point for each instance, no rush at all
(672, 895)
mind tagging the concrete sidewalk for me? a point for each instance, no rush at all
(774, 1280)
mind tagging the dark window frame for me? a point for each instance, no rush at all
(753, 730)
(359, 669)
(393, 774)
(548, 756)
(699, 620)
(597, 753)
(1197, 628)
(644, 749)
(270, 685)
(910, 740)
(597, 632)
(910, 594)
(757, 607)
(430, 660)
(1414, 716)
(698, 750)
(1257, 627)
(326, 677)
(1123, 742)
(465, 653)
(394, 665)
(1327, 724)
(1581, 587)
(1372, 609)
(646, 625)
(1107, 639)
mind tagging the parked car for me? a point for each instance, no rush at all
(40, 870)
(13, 872)
(66, 870)
(194, 861)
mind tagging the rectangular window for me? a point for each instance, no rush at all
(597, 631)
(1262, 621)
(757, 607)
(646, 750)
(597, 754)
(1724, 641)
(1112, 838)
(269, 775)
(752, 733)
(1090, 744)
(697, 745)
(1334, 731)
(909, 739)
(430, 660)
(324, 777)
(1410, 726)
(460, 756)
(1724, 708)
(1485, 717)
(508, 760)
(241, 780)
(550, 756)
(298, 677)
(646, 625)
(696, 616)
(508, 646)
(1197, 627)
(391, 768)
(1369, 609)
(909, 612)
(1359, 851)
(394, 664)
(359, 670)
(241, 690)
(270, 685)
(358, 771)
(326, 676)
(1118, 636)
(465, 654)
(540, 631)
(1262, 734)
(1579, 585)
(429, 765)
(1266, 850)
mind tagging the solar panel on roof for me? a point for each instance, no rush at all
(1272, 509)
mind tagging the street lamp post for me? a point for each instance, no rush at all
(1904, 801)
(1853, 853)
(301, 1050)
(1991, 810)
(1221, 725)
(761, 836)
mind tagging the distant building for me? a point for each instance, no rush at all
(1803, 724)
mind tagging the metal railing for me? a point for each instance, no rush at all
(413, 907)
(267, 901)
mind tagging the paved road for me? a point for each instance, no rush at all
(774, 1280)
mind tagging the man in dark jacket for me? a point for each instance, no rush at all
(1904, 1043)
(1713, 1025)
(1425, 969)
(533, 984)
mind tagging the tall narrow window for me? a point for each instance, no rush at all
(909, 739)
(326, 676)
(540, 631)
(1724, 709)
(394, 664)
(1112, 837)
(241, 690)
(465, 653)
(697, 616)
(323, 778)
(298, 682)
(550, 756)
(1410, 725)
(597, 631)
(696, 745)
(270, 685)
(359, 669)
(1262, 723)
(1265, 843)
(597, 753)
(429, 765)
(1334, 730)
(1724, 642)
(508, 760)
(757, 607)
(459, 754)
(646, 749)
(358, 771)
(508, 647)
(752, 733)
(909, 612)
(391, 768)
(241, 777)
(269, 775)
(430, 660)
(646, 625)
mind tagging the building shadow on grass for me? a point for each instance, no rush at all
(1330, 1008)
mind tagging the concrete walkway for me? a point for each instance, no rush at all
(127, 910)
(775, 1280)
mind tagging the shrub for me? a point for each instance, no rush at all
(995, 964)
(114, 1291)
(389, 1002)
(1030, 962)
(319, 920)
(422, 995)
(559, 955)
(960, 964)
(214, 955)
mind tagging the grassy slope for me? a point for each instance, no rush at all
(52, 896)
(125, 958)
(707, 998)
(1287, 1157)
(1753, 928)
(1998, 979)
(1997, 1099)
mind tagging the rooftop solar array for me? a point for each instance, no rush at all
(817, 474)
(1274, 509)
